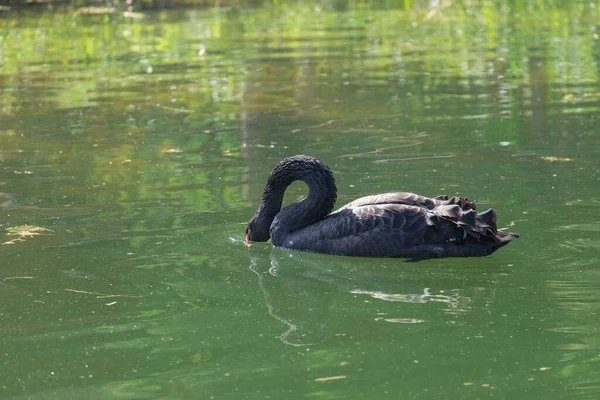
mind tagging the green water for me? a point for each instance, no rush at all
(141, 146)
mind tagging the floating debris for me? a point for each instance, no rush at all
(405, 320)
(18, 277)
(413, 158)
(24, 231)
(330, 378)
(557, 159)
(103, 295)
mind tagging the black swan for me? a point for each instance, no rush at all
(383, 225)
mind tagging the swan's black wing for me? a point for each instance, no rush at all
(373, 230)
(403, 225)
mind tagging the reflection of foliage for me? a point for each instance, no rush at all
(171, 69)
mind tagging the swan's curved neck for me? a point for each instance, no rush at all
(315, 207)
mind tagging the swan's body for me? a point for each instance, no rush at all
(384, 225)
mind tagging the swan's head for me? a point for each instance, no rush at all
(257, 231)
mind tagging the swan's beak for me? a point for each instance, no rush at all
(248, 241)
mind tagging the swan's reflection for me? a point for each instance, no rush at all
(293, 302)
(299, 289)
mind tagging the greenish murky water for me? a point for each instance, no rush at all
(136, 150)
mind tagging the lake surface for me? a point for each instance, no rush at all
(133, 151)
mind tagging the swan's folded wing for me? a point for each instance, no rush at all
(363, 219)
(370, 230)
(384, 199)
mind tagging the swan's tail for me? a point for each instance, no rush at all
(458, 225)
